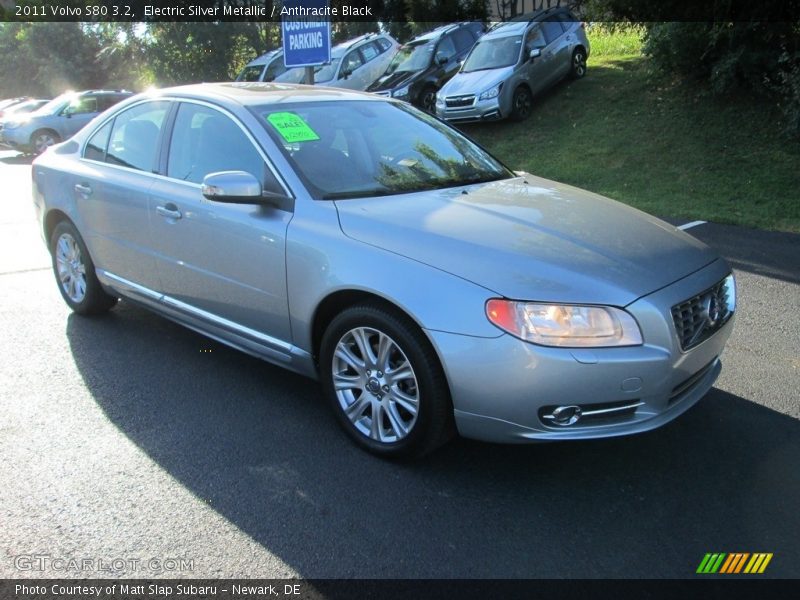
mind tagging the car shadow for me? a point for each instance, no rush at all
(18, 159)
(260, 446)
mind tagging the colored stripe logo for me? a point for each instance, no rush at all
(735, 562)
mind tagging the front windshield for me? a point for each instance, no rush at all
(493, 54)
(326, 72)
(250, 73)
(412, 57)
(55, 105)
(321, 74)
(351, 149)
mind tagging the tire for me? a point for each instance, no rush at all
(42, 139)
(74, 272)
(578, 65)
(521, 104)
(427, 99)
(415, 414)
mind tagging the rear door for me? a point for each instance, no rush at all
(112, 188)
(224, 263)
(558, 50)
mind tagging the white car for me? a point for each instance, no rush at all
(355, 64)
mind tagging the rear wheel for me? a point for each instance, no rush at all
(522, 104)
(75, 274)
(42, 139)
(578, 63)
(384, 382)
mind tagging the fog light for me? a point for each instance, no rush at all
(565, 415)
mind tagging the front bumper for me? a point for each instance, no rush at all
(479, 110)
(18, 138)
(502, 387)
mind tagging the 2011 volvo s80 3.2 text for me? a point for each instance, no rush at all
(360, 241)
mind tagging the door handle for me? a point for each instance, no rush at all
(83, 188)
(170, 211)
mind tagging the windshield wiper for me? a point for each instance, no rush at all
(357, 194)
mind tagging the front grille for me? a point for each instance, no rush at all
(699, 317)
(459, 101)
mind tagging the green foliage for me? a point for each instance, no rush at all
(633, 134)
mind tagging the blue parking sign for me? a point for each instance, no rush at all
(306, 32)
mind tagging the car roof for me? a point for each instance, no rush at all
(440, 31)
(258, 93)
(519, 24)
(339, 49)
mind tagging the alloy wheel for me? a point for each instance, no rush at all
(375, 385)
(70, 267)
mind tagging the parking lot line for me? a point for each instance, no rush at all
(692, 224)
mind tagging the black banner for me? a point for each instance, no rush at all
(710, 588)
(394, 10)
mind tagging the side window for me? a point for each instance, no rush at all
(206, 141)
(96, 146)
(134, 138)
(350, 63)
(534, 39)
(107, 101)
(383, 44)
(446, 48)
(83, 105)
(552, 29)
(369, 51)
(463, 39)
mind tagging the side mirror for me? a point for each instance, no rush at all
(535, 53)
(345, 73)
(68, 112)
(237, 187)
(240, 187)
(441, 59)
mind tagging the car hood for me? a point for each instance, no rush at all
(529, 238)
(395, 80)
(474, 82)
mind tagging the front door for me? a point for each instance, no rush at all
(222, 262)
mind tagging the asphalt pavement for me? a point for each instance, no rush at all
(127, 438)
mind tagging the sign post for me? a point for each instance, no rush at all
(306, 35)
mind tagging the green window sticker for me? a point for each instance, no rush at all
(292, 127)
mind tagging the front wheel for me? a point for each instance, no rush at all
(384, 382)
(44, 138)
(75, 274)
(522, 104)
(427, 99)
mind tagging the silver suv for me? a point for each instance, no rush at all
(58, 120)
(513, 62)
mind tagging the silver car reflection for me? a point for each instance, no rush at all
(360, 241)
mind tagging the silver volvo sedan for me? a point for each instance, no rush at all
(360, 241)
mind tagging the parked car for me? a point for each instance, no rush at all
(23, 104)
(354, 64)
(361, 241)
(17, 110)
(511, 63)
(426, 63)
(7, 102)
(264, 68)
(58, 120)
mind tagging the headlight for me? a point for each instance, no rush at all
(12, 124)
(565, 325)
(401, 93)
(492, 92)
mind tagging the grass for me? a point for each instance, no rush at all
(664, 147)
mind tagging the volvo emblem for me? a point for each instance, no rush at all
(712, 310)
